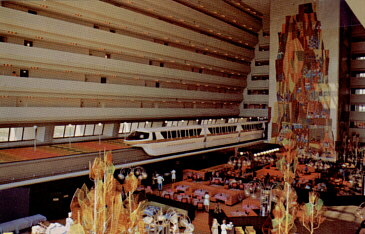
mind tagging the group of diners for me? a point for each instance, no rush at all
(199, 198)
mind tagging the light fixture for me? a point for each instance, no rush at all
(138, 172)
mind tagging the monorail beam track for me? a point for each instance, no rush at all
(24, 173)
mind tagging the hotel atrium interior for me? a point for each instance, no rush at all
(182, 116)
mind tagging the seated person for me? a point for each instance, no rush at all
(195, 177)
(306, 170)
(216, 180)
(322, 187)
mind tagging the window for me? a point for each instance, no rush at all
(261, 62)
(24, 73)
(258, 92)
(89, 129)
(359, 57)
(28, 43)
(260, 77)
(3, 39)
(357, 91)
(357, 124)
(208, 121)
(32, 12)
(361, 108)
(58, 131)
(79, 130)
(173, 134)
(4, 134)
(70, 131)
(164, 135)
(255, 106)
(162, 64)
(103, 80)
(157, 85)
(112, 30)
(141, 124)
(125, 127)
(29, 133)
(358, 74)
(107, 56)
(264, 47)
(138, 136)
(17, 134)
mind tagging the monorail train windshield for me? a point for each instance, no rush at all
(137, 136)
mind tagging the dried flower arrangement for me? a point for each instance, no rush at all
(101, 209)
(286, 198)
(312, 213)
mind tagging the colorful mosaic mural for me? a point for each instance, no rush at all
(302, 110)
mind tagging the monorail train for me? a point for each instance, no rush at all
(168, 140)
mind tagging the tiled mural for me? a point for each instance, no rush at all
(302, 110)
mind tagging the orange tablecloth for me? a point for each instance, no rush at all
(301, 167)
(188, 173)
(251, 202)
(233, 196)
(272, 172)
(311, 176)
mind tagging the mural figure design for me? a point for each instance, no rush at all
(302, 110)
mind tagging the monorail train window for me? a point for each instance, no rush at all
(138, 136)
(173, 134)
(164, 135)
(182, 133)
